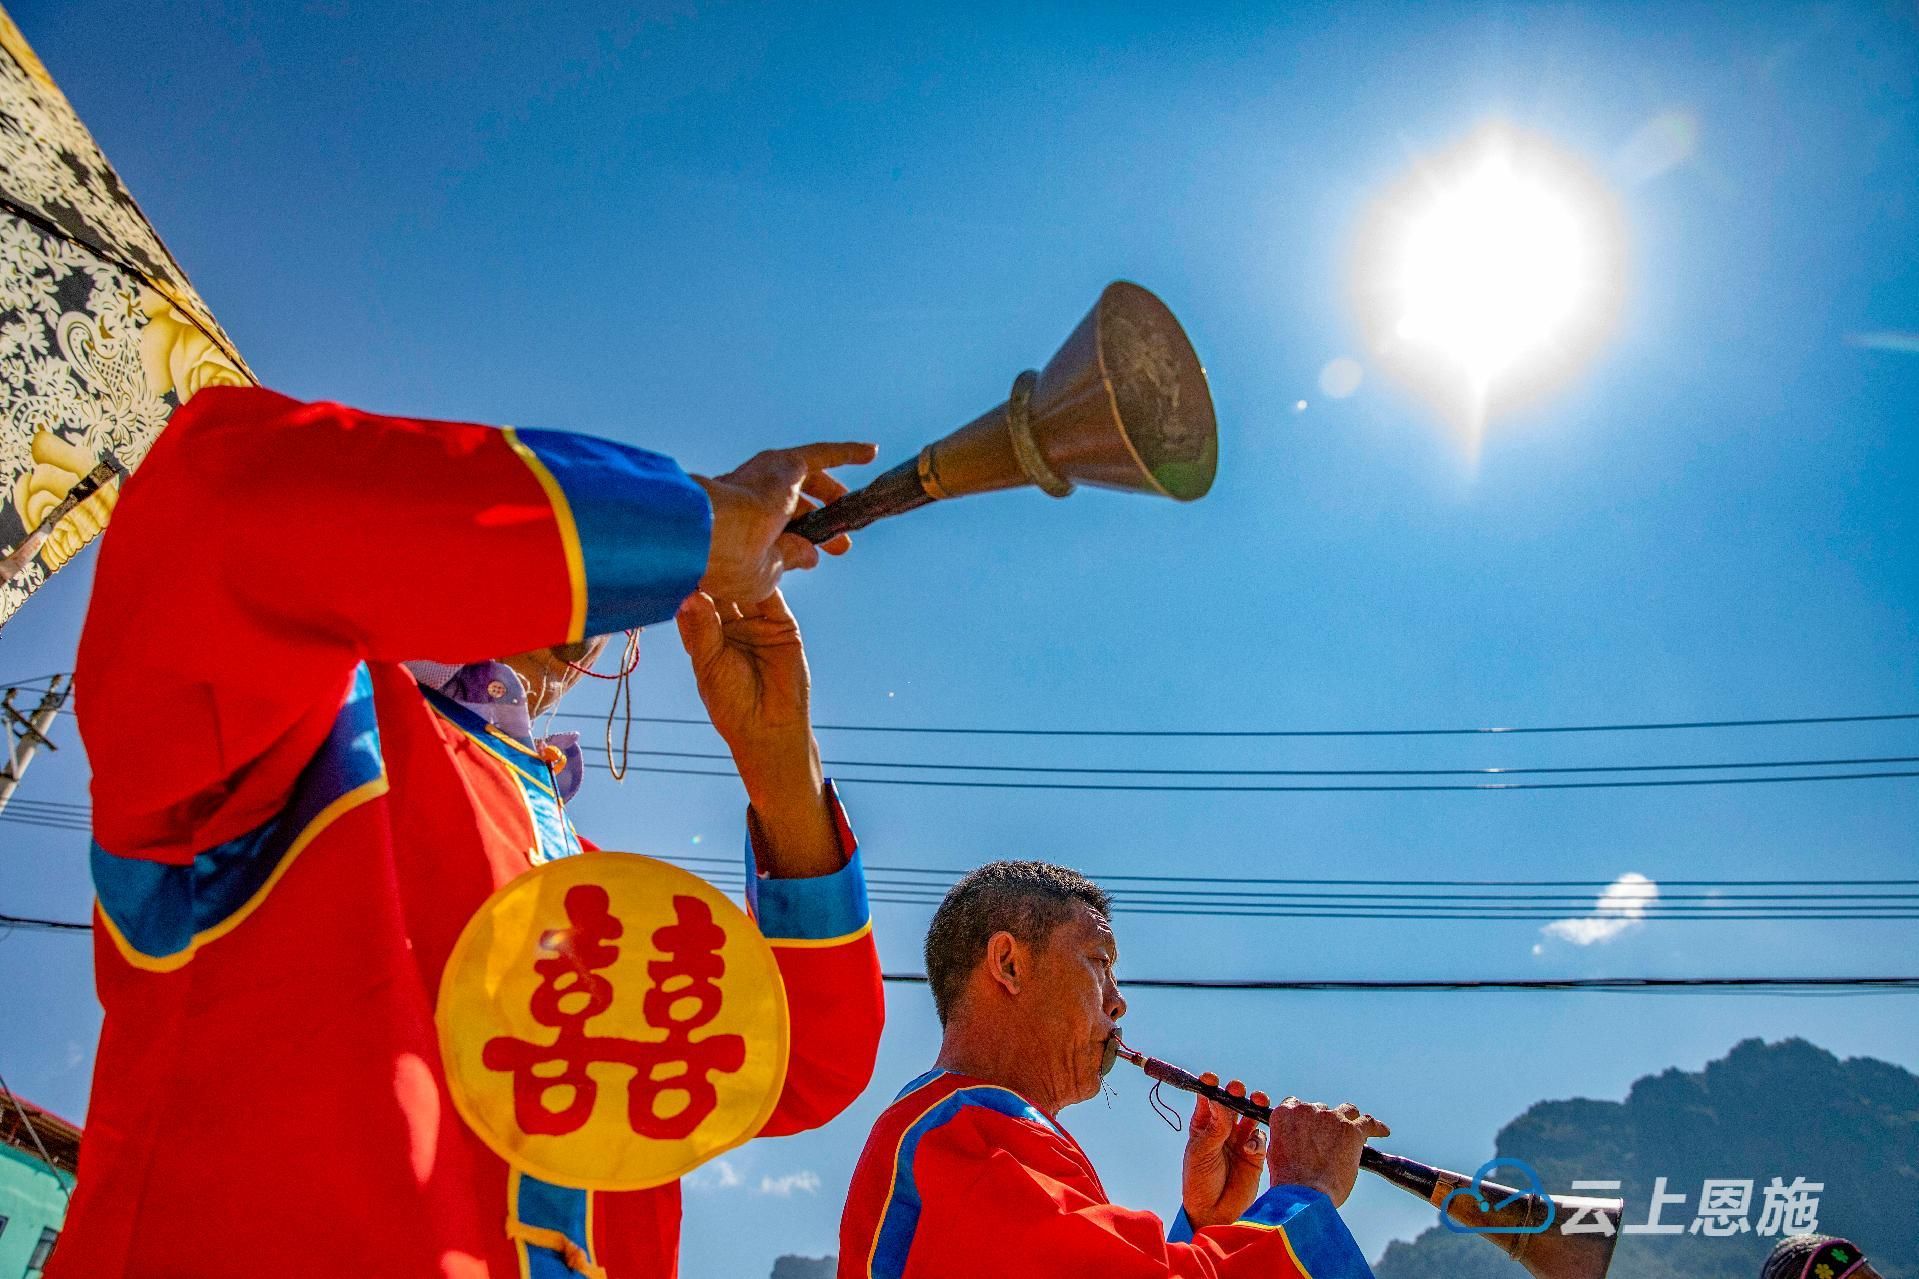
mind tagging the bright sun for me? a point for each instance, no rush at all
(1491, 273)
(1493, 269)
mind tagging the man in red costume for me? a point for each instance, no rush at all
(293, 826)
(970, 1173)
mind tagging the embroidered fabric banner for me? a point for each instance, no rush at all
(101, 335)
(611, 1022)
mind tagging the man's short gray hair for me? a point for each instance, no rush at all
(1027, 899)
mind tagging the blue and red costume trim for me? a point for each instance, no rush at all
(962, 1178)
(290, 834)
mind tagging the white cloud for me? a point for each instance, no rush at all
(1621, 906)
(785, 1187)
(1905, 343)
(718, 1175)
(724, 1175)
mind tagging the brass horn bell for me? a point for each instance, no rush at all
(1123, 405)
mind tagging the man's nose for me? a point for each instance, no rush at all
(1116, 1004)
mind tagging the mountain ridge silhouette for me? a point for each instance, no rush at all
(1787, 1109)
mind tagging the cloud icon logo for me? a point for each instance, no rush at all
(1491, 1197)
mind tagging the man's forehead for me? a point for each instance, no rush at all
(1088, 926)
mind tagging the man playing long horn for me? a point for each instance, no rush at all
(293, 827)
(970, 1171)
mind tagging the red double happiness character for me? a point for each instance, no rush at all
(573, 991)
(689, 973)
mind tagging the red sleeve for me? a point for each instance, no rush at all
(821, 932)
(266, 547)
(1006, 1197)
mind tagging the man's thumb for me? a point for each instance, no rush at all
(699, 622)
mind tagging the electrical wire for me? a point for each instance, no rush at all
(1633, 784)
(1628, 727)
(1488, 909)
(46, 823)
(30, 924)
(1374, 986)
(1279, 888)
(1319, 772)
(34, 681)
(953, 873)
(1780, 985)
(1617, 984)
(39, 1145)
(1778, 722)
(1229, 897)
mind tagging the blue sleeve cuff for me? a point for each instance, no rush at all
(637, 528)
(1325, 1248)
(824, 909)
(1181, 1231)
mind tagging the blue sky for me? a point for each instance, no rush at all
(710, 230)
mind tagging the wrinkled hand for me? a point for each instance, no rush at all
(750, 667)
(1221, 1175)
(752, 506)
(1318, 1146)
(751, 670)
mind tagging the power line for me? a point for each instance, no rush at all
(1634, 784)
(1288, 888)
(1486, 910)
(1303, 772)
(39, 1145)
(1357, 986)
(953, 873)
(34, 680)
(33, 925)
(52, 808)
(47, 823)
(1619, 984)
(1306, 732)
(1486, 730)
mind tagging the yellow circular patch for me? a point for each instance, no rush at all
(610, 1022)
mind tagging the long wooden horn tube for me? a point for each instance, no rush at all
(1512, 1224)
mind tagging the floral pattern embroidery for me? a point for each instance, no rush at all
(101, 335)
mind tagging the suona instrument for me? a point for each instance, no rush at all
(1122, 405)
(1511, 1222)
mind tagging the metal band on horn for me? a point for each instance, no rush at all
(1019, 428)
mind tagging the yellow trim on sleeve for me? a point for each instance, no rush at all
(578, 1259)
(893, 1183)
(324, 818)
(1288, 1241)
(893, 1178)
(554, 1241)
(513, 1219)
(589, 1222)
(569, 531)
(820, 943)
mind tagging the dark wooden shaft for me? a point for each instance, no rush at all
(896, 491)
(1421, 1179)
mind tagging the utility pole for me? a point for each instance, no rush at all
(27, 732)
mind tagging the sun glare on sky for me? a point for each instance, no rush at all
(1490, 274)
(1493, 269)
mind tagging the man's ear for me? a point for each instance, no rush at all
(1006, 962)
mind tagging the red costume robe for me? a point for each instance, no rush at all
(291, 834)
(962, 1178)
